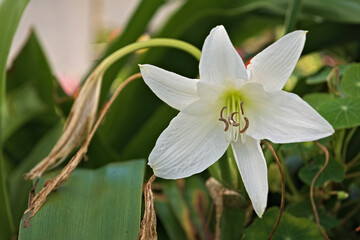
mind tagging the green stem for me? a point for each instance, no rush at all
(346, 143)
(155, 42)
(288, 179)
(229, 170)
(339, 144)
(352, 175)
(291, 15)
(352, 162)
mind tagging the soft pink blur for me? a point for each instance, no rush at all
(69, 84)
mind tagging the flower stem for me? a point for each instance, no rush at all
(346, 143)
(155, 42)
(282, 189)
(324, 149)
(339, 140)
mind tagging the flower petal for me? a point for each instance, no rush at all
(273, 66)
(253, 170)
(282, 117)
(219, 61)
(177, 91)
(189, 145)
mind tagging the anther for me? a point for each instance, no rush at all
(246, 125)
(232, 121)
(223, 119)
(241, 107)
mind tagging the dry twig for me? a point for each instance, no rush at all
(148, 224)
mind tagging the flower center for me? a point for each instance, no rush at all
(233, 116)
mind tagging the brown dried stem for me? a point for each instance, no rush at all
(148, 224)
(282, 189)
(216, 191)
(39, 199)
(312, 189)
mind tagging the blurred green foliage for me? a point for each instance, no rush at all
(327, 76)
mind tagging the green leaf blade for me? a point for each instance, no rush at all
(341, 112)
(93, 204)
(290, 227)
(334, 171)
(350, 83)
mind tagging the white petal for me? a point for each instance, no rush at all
(282, 117)
(177, 91)
(219, 61)
(273, 66)
(189, 145)
(253, 170)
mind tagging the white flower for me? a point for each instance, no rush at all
(230, 104)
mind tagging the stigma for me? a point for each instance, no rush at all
(233, 116)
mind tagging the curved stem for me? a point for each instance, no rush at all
(282, 189)
(155, 42)
(105, 109)
(312, 188)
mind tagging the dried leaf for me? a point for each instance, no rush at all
(223, 197)
(148, 224)
(77, 128)
(39, 199)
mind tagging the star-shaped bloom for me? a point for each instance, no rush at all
(232, 104)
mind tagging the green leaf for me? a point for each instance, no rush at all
(130, 110)
(168, 220)
(19, 111)
(341, 112)
(134, 29)
(10, 14)
(321, 76)
(290, 227)
(304, 210)
(179, 207)
(198, 200)
(19, 188)
(93, 204)
(31, 67)
(350, 82)
(334, 10)
(334, 171)
(232, 223)
(148, 133)
(316, 100)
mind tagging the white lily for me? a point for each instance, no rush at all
(230, 104)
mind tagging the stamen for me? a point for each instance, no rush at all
(241, 107)
(221, 112)
(232, 121)
(246, 125)
(223, 119)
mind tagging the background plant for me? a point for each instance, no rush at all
(103, 197)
